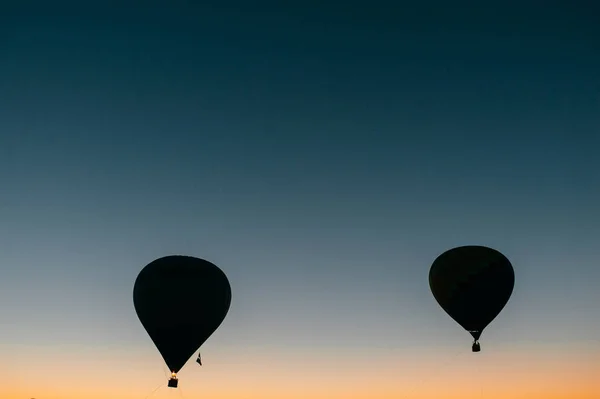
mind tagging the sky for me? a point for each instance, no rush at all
(323, 157)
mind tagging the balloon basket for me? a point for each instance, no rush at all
(173, 383)
(476, 347)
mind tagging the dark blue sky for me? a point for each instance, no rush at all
(322, 156)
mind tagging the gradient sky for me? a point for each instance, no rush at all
(322, 157)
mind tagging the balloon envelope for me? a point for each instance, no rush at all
(181, 301)
(472, 284)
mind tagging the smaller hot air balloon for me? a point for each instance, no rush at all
(181, 301)
(472, 284)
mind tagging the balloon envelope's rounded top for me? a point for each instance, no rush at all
(472, 284)
(177, 267)
(181, 301)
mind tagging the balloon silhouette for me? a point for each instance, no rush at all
(180, 301)
(472, 284)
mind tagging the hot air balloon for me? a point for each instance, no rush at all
(180, 301)
(472, 284)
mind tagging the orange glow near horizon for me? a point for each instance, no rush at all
(533, 373)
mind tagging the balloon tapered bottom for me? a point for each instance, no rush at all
(476, 347)
(173, 383)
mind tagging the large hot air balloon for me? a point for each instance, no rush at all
(180, 301)
(472, 284)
